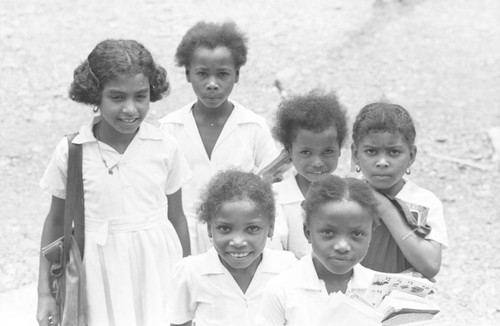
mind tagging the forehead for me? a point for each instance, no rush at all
(310, 138)
(383, 138)
(220, 56)
(343, 214)
(239, 211)
(127, 82)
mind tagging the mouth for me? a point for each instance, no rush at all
(319, 172)
(128, 120)
(342, 259)
(239, 255)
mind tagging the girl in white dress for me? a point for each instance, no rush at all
(135, 228)
(215, 132)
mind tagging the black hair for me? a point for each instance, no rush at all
(384, 117)
(315, 111)
(111, 58)
(230, 185)
(336, 189)
(212, 35)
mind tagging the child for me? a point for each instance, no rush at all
(312, 128)
(132, 175)
(224, 285)
(340, 216)
(214, 132)
(383, 150)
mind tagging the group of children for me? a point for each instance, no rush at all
(241, 236)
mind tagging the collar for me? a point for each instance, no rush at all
(360, 279)
(184, 115)
(288, 190)
(213, 266)
(86, 135)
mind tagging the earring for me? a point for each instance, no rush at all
(408, 171)
(357, 168)
(95, 109)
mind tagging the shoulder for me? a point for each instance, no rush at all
(178, 116)
(246, 116)
(414, 193)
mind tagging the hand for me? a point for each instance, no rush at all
(46, 314)
(414, 273)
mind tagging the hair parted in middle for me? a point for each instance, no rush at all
(110, 59)
(315, 111)
(231, 185)
(212, 35)
(336, 189)
(384, 117)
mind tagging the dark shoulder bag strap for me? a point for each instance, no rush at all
(74, 205)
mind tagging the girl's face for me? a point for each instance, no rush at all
(315, 154)
(124, 103)
(212, 75)
(383, 158)
(340, 233)
(239, 232)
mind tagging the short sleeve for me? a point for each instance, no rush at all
(178, 170)
(182, 307)
(435, 219)
(265, 147)
(272, 307)
(54, 178)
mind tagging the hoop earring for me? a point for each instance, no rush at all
(408, 171)
(95, 109)
(357, 168)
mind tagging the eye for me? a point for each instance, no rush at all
(370, 151)
(201, 73)
(253, 228)
(395, 152)
(358, 234)
(223, 228)
(328, 233)
(305, 152)
(223, 74)
(329, 152)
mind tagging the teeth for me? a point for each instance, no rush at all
(239, 255)
(128, 120)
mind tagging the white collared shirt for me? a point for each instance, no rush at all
(298, 296)
(151, 167)
(206, 291)
(288, 208)
(245, 143)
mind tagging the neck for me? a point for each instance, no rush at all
(108, 135)
(224, 110)
(303, 184)
(333, 282)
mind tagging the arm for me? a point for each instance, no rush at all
(52, 230)
(423, 254)
(178, 220)
(188, 323)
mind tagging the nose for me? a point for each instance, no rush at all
(382, 163)
(317, 162)
(342, 245)
(238, 241)
(212, 83)
(129, 107)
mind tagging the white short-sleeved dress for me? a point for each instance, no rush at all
(245, 143)
(130, 245)
(206, 291)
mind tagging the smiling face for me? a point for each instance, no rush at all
(212, 74)
(315, 154)
(383, 158)
(239, 232)
(124, 104)
(340, 233)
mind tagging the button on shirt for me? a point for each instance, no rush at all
(206, 291)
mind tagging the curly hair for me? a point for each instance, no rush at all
(111, 58)
(315, 111)
(337, 189)
(212, 35)
(230, 185)
(383, 117)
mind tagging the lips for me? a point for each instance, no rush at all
(239, 255)
(128, 120)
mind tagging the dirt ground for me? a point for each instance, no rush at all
(440, 59)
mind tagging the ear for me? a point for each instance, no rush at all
(187, 75)
(354, 153)
(237, 76)
(209, 229)
(307, 232)
(270, 233)
(413, 155)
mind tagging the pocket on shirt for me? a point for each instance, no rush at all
(210, 310)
